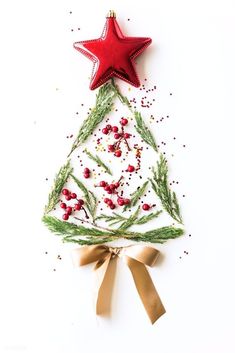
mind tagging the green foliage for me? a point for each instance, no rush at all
(98, 161)
(80, 234)
(103, 106)
(144, 131)
(91, 201)
(159, 184)
(59, 182)
(135, 196)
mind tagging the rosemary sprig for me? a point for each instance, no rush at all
(123, 99)
(144, 131)
(91, 201)
(59, 181)
(112, 220)
(160, 186)
(136, 195)
(147, 218)
(103, 106)
(98, 161)
(92, 235)
(130, 221)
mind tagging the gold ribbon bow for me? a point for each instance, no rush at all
(136, 257)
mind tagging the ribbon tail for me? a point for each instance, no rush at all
(146, 289)
(104, 279)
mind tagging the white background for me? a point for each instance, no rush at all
(43, 83)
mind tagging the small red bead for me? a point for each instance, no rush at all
(65, 191)
(112, 206)
(63, 205)
(130, 168)
(107, 188)
(115, 129)
(77, 207)
(86, 170)
(126, 201)
(124, 121)
(69, 210)
(73, 195)
(111, 148)
(81, 202)
(116, 136)
(145, 207)
(68, 197)
(103, 183)
(120, 201)
(105, 131)
(118, 153)
(86, 175)
(110, 202)
(126, 135)
(106, 200)
(112, 186)
(65, 216)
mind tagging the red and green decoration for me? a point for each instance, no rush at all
(72, 211)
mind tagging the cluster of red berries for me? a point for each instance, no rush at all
(112, 189)
(86, 173)
(119, 135)
(69, 209)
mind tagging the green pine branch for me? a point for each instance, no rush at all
(144, 131)
(103, 106)
(59, 182)
(130, 221)
(136, 195)
(147, 218)
(98, 161)
(159, 184)
(80, 234)
(91, 201)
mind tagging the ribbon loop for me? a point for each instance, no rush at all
(136, 257)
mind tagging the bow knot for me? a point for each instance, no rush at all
(135, 257)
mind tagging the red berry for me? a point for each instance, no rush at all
(130, 168)
(63, 205)
(112, 206)
(117, 184)
(116, 136)
(65, 191)
(124, 121)
(115, 129)
(65, 216)
(118, 153)
(86, 175)
(69, 210)
(121, 201)
(105, 131)
(110, 203)
(126, 135)
(107, 188)
(109, 127)
(86, 170)
(112, 186)
(68, 197)
(103, 183)
(77, 206)
(126, 201)
(73, 195)
(106, 200)
(111, 148)
(145, 207)
(81, 202)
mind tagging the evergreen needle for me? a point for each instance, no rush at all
(144, 131)
(103, 106)
(135, 196)
(59, 182)
(98, 161)
(159, 184)
(91, 201)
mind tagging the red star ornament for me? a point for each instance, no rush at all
(113, 54)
